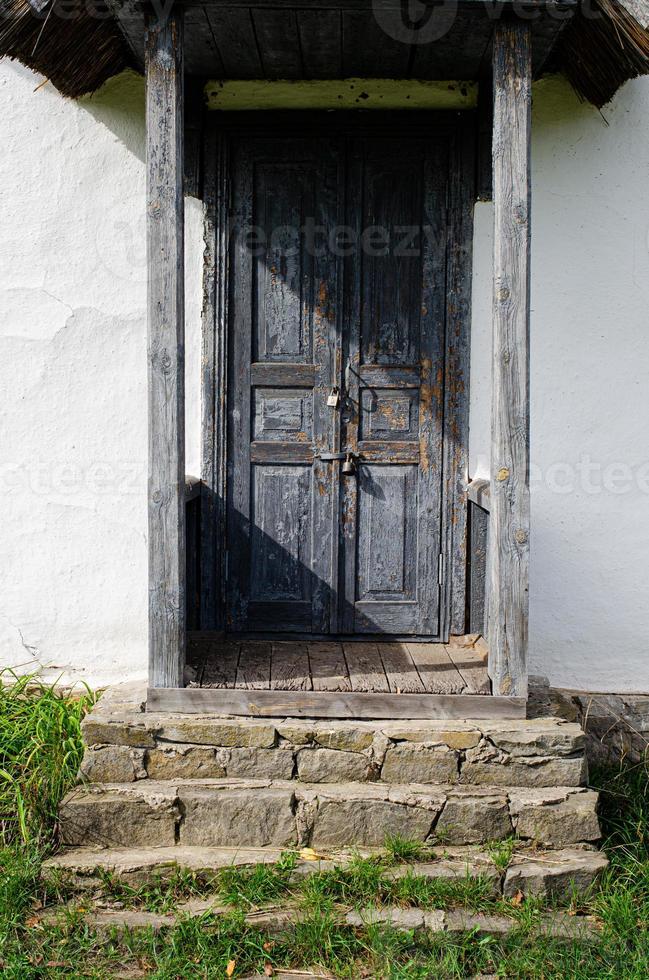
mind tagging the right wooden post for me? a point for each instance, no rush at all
(509, 517)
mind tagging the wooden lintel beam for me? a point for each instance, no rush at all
(509, 516)
(166, 341)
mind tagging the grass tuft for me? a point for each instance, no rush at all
(40, 754)
(401, 849)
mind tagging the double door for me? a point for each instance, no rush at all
(335, 386)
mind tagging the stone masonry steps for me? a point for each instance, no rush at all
(283, 813)
(124, 744)
(197, 781)
(532, 871)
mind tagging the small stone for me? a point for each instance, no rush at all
(258, 763)
(116, 729)
(112, 764)
(458, 920)
(560, 739)
(460, 740)
(296, 734)
(572, 928)
(556, 822)
(554, 874)
(344, 739)
(466, 642)
(226, 734)
(183, 762)
(111, 817)
(397, 918)
(531, 770)
(237, 816)
(447, 868)
(331, 766)
(468, 819)
(367, 822)
(420, 763)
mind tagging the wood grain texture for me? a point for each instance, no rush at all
(366, 671)
(219, 663)
(166, 341)
(472, 668)
(457, 371)
(328, 667)
(400, 670)
(253, 670)
(509, 519)
(289, 670)
(477, 570)
(438, 673)
(318, 704)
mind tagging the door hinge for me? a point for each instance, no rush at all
(440, 569)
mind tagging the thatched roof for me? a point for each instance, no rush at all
(599, 54)
(76, 51)
(78, 44)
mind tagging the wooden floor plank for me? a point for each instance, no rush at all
(289, 667)
(438, 673)
(472, 667)
(400, 669)
(219, 664)
(366, 671)
(328, 667)
(253, 671)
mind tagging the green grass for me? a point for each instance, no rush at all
(40, 750)
(40, 753)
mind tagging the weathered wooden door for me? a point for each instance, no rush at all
(337, 306)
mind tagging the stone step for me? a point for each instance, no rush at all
(124, 744)
(283, 813)
(276, 919)
(532, 871)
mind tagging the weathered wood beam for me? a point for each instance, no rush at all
(509, 517)
(325, 704)
(166, 340)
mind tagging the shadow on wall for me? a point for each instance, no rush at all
(119, 105)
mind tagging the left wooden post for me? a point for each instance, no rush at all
(166, 345)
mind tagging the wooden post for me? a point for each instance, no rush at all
(509, 519)
(166, 341)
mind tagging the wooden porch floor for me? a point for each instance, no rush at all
(325, 665)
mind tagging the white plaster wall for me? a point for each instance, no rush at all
(73, 382)
(589, 596)
(73, 378)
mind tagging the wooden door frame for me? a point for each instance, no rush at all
(462, 127)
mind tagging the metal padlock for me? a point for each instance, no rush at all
(349, 466)
(333, 400)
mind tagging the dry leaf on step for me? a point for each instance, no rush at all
(229, 970)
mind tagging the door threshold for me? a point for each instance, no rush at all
(320, 704)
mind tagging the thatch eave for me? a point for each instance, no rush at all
(78, 44)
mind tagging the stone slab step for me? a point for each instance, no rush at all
(276, 919)
(285, 813)
(531, 871)
(558, 925)
(124, 744)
